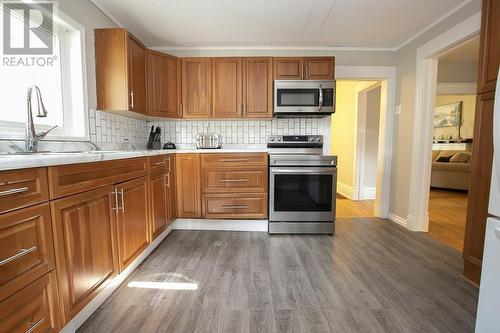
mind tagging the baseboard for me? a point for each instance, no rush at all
(346, 191)
(228, 225)
(369, 193)
(398, 220)
(90, 308)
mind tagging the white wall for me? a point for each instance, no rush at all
(372, 135)
(457, 72)
(405, 96)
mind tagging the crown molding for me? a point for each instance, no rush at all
(270, 48)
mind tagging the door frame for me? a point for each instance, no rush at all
(426, 87)
(387, 76)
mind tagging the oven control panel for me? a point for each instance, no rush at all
(295, 139)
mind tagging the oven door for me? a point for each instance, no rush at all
(300, 194)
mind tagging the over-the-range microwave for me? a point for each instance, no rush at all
(304, 97)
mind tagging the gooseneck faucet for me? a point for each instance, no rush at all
(32, 137)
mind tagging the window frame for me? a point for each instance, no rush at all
(10, 130)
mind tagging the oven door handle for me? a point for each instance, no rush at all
(317, 170)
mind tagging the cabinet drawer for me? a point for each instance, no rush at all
(235, 206)
(26, 247)
(222, 180)
(75, 178)
(33, 309)
(234, 160)
(21, 188)
(158, 163)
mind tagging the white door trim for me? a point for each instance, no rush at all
(387, 75)
(426, 78)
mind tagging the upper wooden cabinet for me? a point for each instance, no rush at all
(258, 87)
(188, 185)
(489, 47)
(308, 68)
(226, 83)
(164, 85)
(120, 71)
(196, 88)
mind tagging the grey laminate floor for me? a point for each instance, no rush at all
(372, 276)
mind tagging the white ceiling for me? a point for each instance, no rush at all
(466, 52)
(307, 23)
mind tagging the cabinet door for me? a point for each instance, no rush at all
(319, 68)
(257, 87)
(158, 203)
(26, 247)
(163, 85)
(188, 187)
(85, 247)
(289, 68)
(489, 58)
(132, 220)
(172, 189)
(479, 188)
(137, 75)
(34, 309)
(196, 88)
(226, 85)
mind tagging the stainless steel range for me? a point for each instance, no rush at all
(302, 185)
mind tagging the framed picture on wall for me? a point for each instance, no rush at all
(448, 115)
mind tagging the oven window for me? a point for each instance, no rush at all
(303, 192)
(297, 97)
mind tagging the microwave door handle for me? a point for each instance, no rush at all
(320, 96)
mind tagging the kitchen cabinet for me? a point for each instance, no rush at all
(159, 204)
(304, 68)
(188, 187)
(21, 188)
(258, 87)
(164, 85)
(235, 206)
(196, 88)
(132, 219)
(85, 246)
(26, 247)
(34, 308)
(489, 56)
(120, 71)
(226, 83)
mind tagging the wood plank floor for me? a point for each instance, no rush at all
(372, 276)
(349, 208)
(447, 216)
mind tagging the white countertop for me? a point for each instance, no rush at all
(12, 162)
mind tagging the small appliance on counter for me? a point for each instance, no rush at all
(169, 145)
(208, 141)
(154, 141)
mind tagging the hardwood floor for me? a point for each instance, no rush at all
(350, 208)
(372, 276)
(447, 215)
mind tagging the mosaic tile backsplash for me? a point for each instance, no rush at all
(183, 132)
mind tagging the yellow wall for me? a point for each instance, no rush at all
(468, 110)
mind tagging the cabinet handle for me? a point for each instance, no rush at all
(132, 100)
(13, 191)
(167, 183)
(123, 203)
(181, 110)
(35, 325)
(234, 180)
(116, 207)
(244, 108)
(234, 206)
(160, 163)
(235, 160)
(18, 255)
(307, 72)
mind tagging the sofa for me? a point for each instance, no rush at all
(450, 169)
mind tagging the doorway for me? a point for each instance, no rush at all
(452, 137)
(355, 140)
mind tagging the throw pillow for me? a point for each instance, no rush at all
(443, 159)
(461, 157)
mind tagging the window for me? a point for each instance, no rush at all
(60, 77)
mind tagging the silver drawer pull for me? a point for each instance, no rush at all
(234, 180)
(35, 325)
(18, 255)
(13, 191)
(235, 160)
(235, 206)
(160, 163)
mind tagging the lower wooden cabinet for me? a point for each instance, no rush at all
(35, 308)
(188, 187)
(132, 219)
(235, 206)
(85, 238)
(26, 247)
(159, 201)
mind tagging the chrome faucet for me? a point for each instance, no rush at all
(32, 137)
